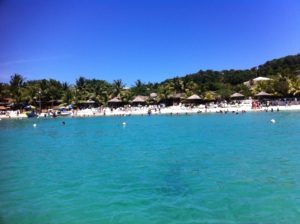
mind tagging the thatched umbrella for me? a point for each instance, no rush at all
(175, 98)
(194, 99)
(114, 102)
(263, 94)
(237, 95)
(139, 100)
(3, 108)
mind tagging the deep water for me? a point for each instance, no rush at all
(213, 168)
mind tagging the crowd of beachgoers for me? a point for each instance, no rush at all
(180, 109)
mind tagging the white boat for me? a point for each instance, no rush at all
(64, 113)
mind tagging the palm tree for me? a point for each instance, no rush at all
(4, 91)
(281, 85)
(16, 86)
(117, 87)
(139, 88)
(81, 92)
(29, 94)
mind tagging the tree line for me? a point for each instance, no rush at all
(210, 85)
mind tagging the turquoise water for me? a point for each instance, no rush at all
(158, 169)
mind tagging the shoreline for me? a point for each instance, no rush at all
(146, 111)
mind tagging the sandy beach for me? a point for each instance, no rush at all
(156, 110)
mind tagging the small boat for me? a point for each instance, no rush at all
(64, 113)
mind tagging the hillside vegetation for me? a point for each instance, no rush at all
(210, 85)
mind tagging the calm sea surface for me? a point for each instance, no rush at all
(159, 169)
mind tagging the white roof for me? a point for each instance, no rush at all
(261, 79)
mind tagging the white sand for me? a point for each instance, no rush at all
(155, 110)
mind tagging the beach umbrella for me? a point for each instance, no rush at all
(262, 93)
(114, 100)
(194, 97)
(3, 108)
(139, 99)
(176, 96)
(236, 95)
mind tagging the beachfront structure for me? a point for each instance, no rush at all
(114, 102)
(194, 99)
(258, 79)
(175, 98)
(139, 100)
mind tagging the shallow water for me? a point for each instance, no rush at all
(159, 169)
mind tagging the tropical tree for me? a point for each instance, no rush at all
(281, 85)
(117, 87)
(210, 95)
(30, 92)
(16, 86)
(267, 86)
(4, 91)
(294, 86)
(81, 92)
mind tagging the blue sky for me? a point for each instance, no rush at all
(148, 40)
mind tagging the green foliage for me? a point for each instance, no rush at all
(211, 85)
(16, 87)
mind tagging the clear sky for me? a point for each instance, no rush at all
(149, 40)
